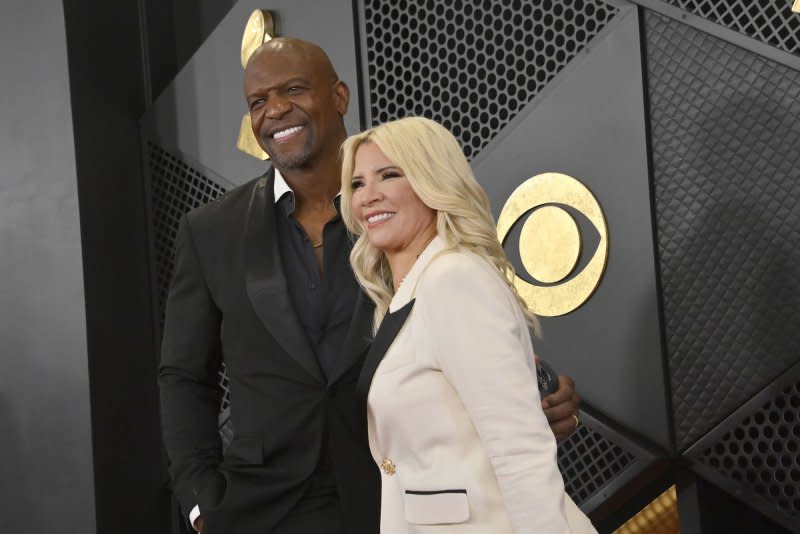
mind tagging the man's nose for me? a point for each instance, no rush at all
(277, 107)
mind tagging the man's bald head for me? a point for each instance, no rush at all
(304, 50)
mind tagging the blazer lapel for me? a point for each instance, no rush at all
(399, 308)
(358, 338)
(266, 284)
(390, 327)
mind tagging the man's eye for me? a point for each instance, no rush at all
(255, 103)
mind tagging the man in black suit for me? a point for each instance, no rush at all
(262, 281)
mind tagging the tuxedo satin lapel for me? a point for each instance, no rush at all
(359, 336)
(390, 327)
(266, 284)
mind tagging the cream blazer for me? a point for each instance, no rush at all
(454, 416)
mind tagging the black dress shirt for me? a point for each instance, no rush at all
(324, 302)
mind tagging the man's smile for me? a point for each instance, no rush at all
(286, 133)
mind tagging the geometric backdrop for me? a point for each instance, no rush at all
(723, 124)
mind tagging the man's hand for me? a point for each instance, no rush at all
(561, 408)
(199, 524)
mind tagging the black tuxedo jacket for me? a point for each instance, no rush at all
(229, 302)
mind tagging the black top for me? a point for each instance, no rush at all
(324, 301)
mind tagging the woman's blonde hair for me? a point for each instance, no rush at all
(441, 177)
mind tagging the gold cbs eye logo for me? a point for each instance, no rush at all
(550, 242)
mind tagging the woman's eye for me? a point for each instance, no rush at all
(355, 184)
(391, 174)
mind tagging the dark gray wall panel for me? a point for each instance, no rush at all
(175, 30)
(589, 123)
(108, 88)
(725, 125)
(769, 21)
(755, 453)
(200, 112)
(44, 385)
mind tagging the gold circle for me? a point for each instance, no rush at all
(557, 188)
(550, 244)
(258, 30)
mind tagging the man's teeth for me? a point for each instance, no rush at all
(379, 217)
(288, 131)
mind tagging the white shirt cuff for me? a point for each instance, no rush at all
(193, 515)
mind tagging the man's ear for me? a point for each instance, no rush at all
(342, 97)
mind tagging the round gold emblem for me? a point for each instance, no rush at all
(550, 243)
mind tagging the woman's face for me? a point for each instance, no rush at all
(393, 216)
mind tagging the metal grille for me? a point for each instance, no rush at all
(769, 21)
(588, 462)
(763, 452)
(176, 188)
(726, 162)
(471, 65)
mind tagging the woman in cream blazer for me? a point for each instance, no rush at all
(454, 416)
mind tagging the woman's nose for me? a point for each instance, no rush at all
(371, 195)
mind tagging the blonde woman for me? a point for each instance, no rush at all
(454, 417)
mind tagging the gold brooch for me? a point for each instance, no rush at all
(388, 466)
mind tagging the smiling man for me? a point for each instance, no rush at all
(262, 282)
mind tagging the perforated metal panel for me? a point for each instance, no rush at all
(726, 163)
(471, 65)
(769, 21)
(176, 187)
(588, 461)
(763, 452)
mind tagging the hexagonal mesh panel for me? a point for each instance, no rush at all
(471, 65)
(176, 188)
(763, 452)
(588, 461)
(769, 21)
(725, 126)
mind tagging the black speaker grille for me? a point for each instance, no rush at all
(726, 161)
(588, 461)
(471, 65)
(763, 452)
(176, 187)
(769, 21)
